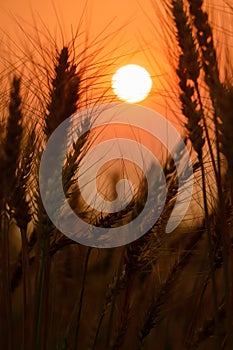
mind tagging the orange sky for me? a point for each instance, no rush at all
(97, 18)
(134, 43)
(100, 16)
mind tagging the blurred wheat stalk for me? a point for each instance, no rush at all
(48, 282)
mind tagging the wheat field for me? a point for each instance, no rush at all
(162, 291)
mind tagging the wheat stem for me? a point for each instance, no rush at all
(81, 298)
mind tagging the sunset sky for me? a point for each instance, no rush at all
(133, 28)
(98, 15)
(131, 38)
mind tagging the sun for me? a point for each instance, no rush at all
(131, 83)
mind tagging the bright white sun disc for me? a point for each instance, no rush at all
(131, 83)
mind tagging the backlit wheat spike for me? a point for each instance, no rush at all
(188, 72)
(209, 64)
(220, 94)
(153, 315)
(21, 195)
(222, 104)
(70, 169)
(22, 214)
(64, 93)
(226, 127)
(14, 134)
(10, 162)
(206, 43)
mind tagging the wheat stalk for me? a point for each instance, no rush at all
(153, 314)
(11, 157)
(220, 99)
(189, 72)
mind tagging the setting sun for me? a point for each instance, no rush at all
(131, 83)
